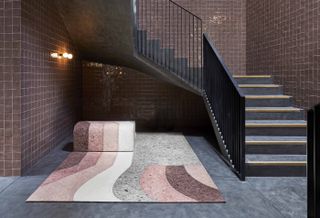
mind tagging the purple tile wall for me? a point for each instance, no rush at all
(114, 93)
(10, 88)
(50, 88)
(283, 39)
(39, 96)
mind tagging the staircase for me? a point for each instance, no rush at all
(179, 67)
(259, 132)
(275, 129)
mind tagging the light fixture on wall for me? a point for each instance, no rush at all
(60, 56)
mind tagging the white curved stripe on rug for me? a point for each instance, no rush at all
(100, 188)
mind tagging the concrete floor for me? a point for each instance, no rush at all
(256, 198)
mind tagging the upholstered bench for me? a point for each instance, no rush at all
(98, 136)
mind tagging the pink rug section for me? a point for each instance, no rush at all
(156, 186)
(111, 137)
(62, 184)
(99, 136)
(177, 184)
(96, 137)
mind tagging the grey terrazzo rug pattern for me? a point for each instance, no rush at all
(156, 151)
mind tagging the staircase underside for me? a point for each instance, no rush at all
(104, 32)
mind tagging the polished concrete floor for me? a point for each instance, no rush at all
(256, 198)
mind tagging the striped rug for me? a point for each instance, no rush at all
(162, 168)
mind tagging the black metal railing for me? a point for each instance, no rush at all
(314, 162)
(227, 108)
(171, 37)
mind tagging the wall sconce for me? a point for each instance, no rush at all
(60, 56)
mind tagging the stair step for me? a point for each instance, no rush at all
(167, 58)
(261, 90)
(276, 165)
(274, 113)
(276, 128)
(275, 145)
(259, 86)
(268, 97)
(142, 38)
(181, 66)
(275, 123)
(153, 50)
(251, 76)
(268, 101)
(253, 79)
(273, 109)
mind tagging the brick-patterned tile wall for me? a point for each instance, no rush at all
(10, 87)
(114, 93)
(224, 21)
(50, 88)
(283, 39)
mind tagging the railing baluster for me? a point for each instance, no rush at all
(162, 42)
(201, 44)
(189, 56)
(176, 41)
(144, 35)
(157, 32)
(181, 43)
(197, 52)
(193, 38)
(169, 32)
(151, 30)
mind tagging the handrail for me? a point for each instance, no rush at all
(225, 68)
(171, 37)
(226, 105)
(185, 10)
(313, 162)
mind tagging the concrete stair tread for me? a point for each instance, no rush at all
(276, 123)
(259, 86)
(273, 109)
(273, 159)
(268, 97)
(275, 139)
(251, 88)
(252, 76)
